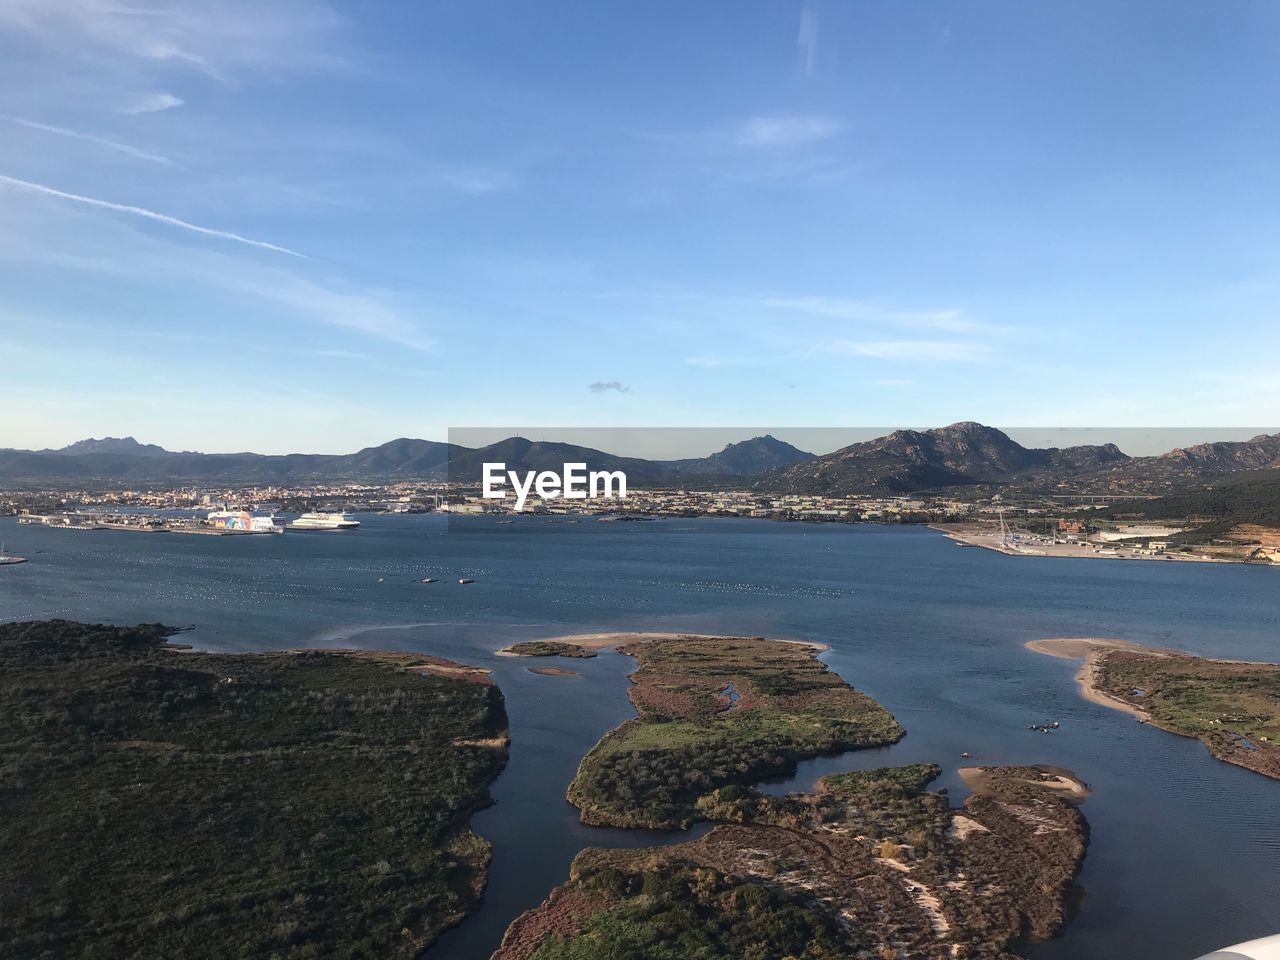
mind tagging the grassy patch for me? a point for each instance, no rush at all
(1233, 707)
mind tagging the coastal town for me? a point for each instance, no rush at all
(1082, 525)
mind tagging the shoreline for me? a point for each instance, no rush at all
(1089, 650)
(1057, 780)
(968, 536)
(611, 641)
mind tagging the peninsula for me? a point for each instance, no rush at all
(163, 802)
(715, 711)
(1231, 706)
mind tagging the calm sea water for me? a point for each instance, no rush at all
(1185, 852)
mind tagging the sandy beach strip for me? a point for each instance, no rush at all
(608, 641)
(1091, 650)
(1059, 780)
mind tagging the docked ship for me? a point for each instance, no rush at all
(325, 521)
(242, 521)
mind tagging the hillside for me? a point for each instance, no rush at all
(1252, 498)
(962, 454)
(127, 460)
(961, 457)
(747, 458)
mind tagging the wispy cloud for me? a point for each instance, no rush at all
(153, 103)
(807, 41)
(912, 349)
(361, 311)
(606, 386)
(215, 38)
(785, 131)
(469, 180)
(146, 214)
(87, 137)
(948, 320)
(711, 361)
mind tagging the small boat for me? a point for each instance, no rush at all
(465, 580)
(965, 755)
(380, 579)
(427, 580)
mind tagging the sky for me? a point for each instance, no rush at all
(295, 226)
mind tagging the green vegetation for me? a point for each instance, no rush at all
(1248, 498)
(713, 712)
(1234, 708)
(548, 648)
(912, 779)
(687, 912)
(155, 803)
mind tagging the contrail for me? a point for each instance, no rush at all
(90, 138)
(148, 214)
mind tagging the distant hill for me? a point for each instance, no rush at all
(111, 460)
(113, 445)
(1187, 468)
(961, 457)
(467, 466)
(747, 458)
(908, 461)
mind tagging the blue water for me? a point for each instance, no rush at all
(1185, 851)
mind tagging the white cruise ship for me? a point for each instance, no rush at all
(325, 521)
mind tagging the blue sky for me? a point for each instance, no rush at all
(291, 226)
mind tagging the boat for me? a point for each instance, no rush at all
(9, 558)
(465, 580)
(325, 521)
(427, 580)
(242, 521)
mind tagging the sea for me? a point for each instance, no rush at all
(1184, 855)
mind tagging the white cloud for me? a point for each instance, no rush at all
(153, 103)
(836, 308)
(912, 349)
(469, 180)
(87, 137)
(361, 311)
(948, 320)
(216, 37)
(786, 131)
(146, 214)
(712, 361)
(604, 387)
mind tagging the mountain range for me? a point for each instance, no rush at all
(961, 457)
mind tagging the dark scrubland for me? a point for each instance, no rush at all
(548, 648)
(159, 803)
(869, 865)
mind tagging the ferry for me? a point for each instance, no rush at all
(325, 521)
(242, 521)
